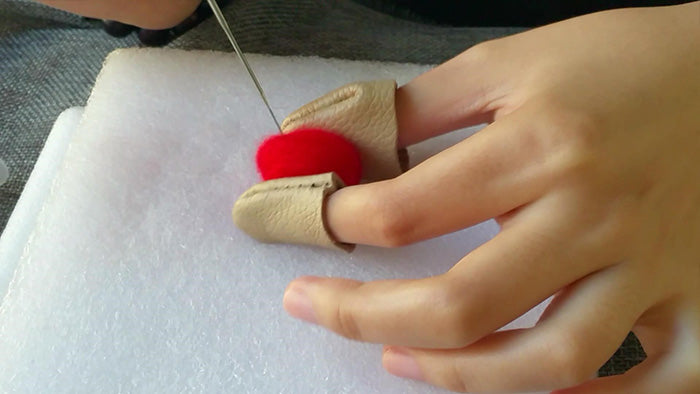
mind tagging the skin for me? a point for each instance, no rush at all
(590, 164)
(149, 14)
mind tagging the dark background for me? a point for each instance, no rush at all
(505, 12)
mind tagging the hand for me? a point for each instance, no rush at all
(149, 14)
(591, 164)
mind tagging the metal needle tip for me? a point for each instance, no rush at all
(225, 26)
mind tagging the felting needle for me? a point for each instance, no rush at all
(227, 30)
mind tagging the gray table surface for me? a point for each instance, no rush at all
(49, 60)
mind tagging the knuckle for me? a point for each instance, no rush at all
(605, 231)
(394, 229)
(616, 228)
(457, 313)
(460, 328)
(571, 138)
(482, 52)
(454, 379)
(345, 322)
(393, 225)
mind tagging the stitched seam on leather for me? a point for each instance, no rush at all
(312, 186)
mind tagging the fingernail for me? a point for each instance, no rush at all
(298, 304)
(400, 363)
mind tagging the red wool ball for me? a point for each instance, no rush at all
(309, 152)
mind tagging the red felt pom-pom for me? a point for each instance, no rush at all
(309, 152)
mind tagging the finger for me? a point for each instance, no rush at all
(565, 349)
(670, 334)
(490, 287)
(658, 328)
(655, 328)
(634, 381)
(654, 375)
(154, 14)
(463, 91)
(482, 177)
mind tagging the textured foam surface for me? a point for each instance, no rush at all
(24, 215)
(134, 278)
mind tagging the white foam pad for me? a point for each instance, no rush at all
(134, 278)
(23, 220)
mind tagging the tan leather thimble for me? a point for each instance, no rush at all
(292, 210)
(365, 113)
(289, 210)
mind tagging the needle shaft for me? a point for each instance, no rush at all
(225, 26)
